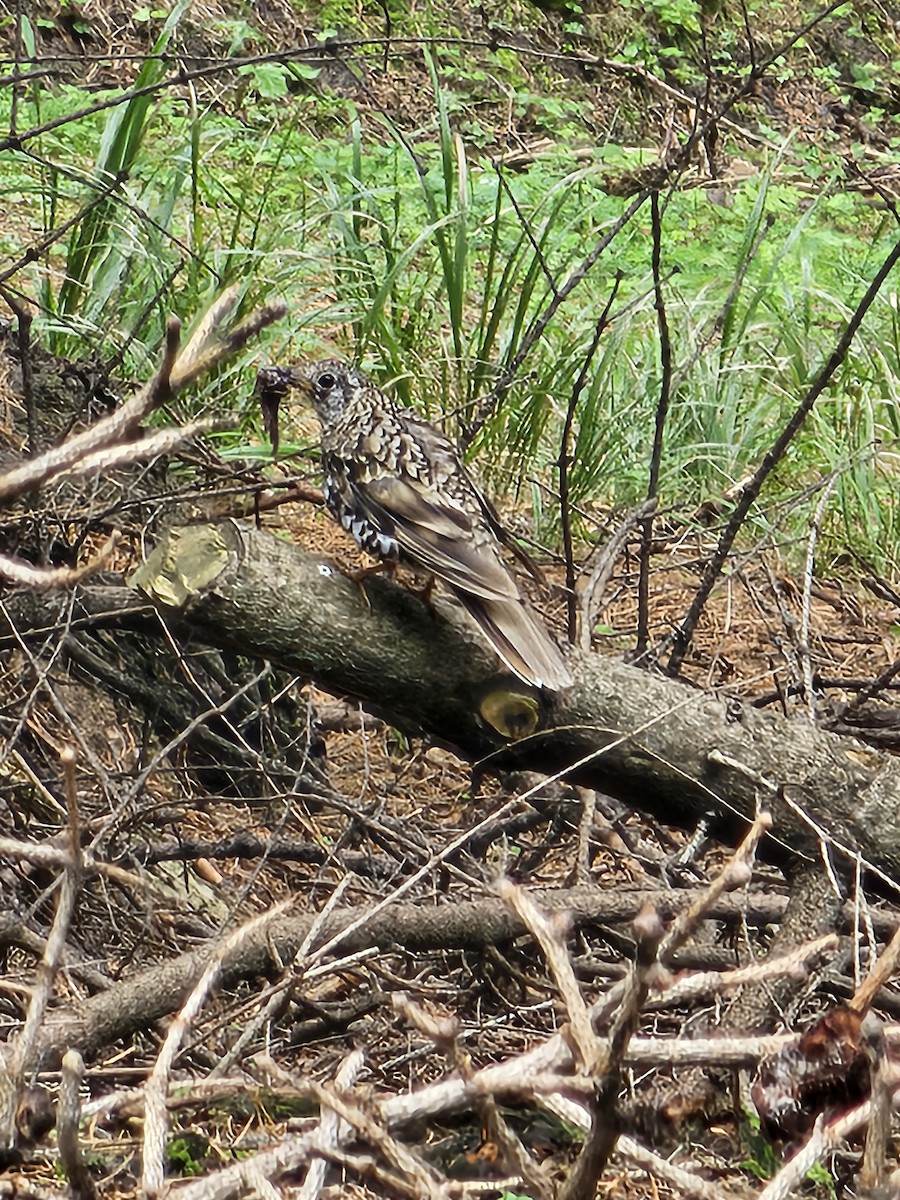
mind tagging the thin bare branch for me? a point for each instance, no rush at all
(156, 1087)
(879, 1130)
(81, 1184)
(662, 411)
(601, 573)
(21, 1051)
(18, 571)
(24, 316)
(332, 1131)
(549, 931)
(564, 462)
(175, 372)
(735, 873)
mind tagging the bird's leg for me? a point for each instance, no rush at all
(425, 592)
(361, 574)
(389, 566)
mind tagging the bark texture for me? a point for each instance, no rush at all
(660, 745)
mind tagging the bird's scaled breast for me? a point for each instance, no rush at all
(355, 522)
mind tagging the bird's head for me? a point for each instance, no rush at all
(329, 386)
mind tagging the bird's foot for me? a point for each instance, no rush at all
(361, 574)
(425, 592)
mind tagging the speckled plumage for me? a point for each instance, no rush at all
(397, 485)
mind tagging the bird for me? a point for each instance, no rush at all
(398, 486)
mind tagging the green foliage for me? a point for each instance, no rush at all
(144, 14)
(186, 1153)
(92, 243)
(676, 18)
(823, 1179)
(762, 1161)
(431, 266)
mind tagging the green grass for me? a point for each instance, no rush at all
(415, 255)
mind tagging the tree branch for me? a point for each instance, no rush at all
(679, 753)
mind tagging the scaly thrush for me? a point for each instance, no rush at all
(399, 488)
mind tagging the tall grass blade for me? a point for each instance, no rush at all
(119, 146)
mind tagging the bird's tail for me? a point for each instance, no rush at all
(520, 640)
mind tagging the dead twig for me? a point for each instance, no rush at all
(550, 931)
(662, 410)
(808, 575)
(702, 985)
(420, 1179)
(332, 1131)
(24, 318)
(601, 573)
(19, 1057)
(81, 1184)
(879, 1131)
(156, 1087)
(735, 874)
(23, 574)
(564, 461)
(208, 347)
(444, 1031)
(293, 977)
(825, 1138)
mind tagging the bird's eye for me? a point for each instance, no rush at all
(326, 382)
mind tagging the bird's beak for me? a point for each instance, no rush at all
(272, 384)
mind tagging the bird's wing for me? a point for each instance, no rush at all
(444, 458)
(437, 535)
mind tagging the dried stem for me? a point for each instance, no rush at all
(24, 317)
(13, 1079)
(156, 1087)
(92, 449)
(662, 410)
(68, 1117)
(878, 1133)
(332, 1131)
(564, 460)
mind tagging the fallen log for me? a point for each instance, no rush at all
(660, 745)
